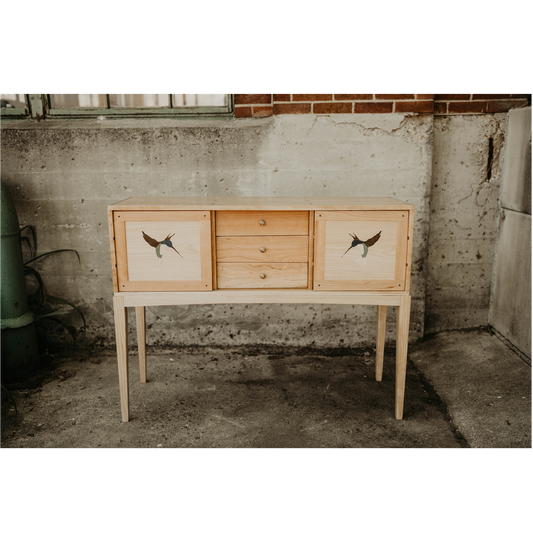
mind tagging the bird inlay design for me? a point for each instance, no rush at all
(366, 244)
(157, 244)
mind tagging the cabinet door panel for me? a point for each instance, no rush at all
(360, 250)
(163, 251)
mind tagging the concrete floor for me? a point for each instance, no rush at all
(464, 389)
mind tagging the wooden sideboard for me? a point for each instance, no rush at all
(183, 251)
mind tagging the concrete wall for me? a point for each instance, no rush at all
(62, 175)
(463, 220)
(511, 294)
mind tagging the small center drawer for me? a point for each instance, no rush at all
(262, 223)
(262, 275)
(259, 249)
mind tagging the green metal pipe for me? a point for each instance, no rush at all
(20, 352)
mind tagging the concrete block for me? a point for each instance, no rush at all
(516, 172)
(511, 295)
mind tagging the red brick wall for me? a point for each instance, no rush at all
(265, 105)
(452, 104)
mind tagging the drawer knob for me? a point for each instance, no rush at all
(263, 276)
(262, 249)
(262, 222)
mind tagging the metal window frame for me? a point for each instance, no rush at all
(16, 112)
(38, 107)
(142, 112)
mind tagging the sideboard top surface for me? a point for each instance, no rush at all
(260, 203)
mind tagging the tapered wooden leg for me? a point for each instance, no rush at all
(121, 329)
(402, 337)
(380, 342)
(141, 340)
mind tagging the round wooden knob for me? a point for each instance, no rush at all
(263, 276)
(262, 222)
(262, 249)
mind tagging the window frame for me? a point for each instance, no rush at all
(17, 112)
(38, 107)
(141, 111)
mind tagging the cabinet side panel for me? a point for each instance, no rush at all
(213, 250)
(121, 248)
(311, 247)
(320, 246)
(206, 252)
(409, 257)
(113, 253)
(401, 264)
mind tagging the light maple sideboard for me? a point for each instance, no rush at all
(208, 250)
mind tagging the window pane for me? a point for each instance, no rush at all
(13, 101)
(138, 100)
(198, 100)
(77, 100)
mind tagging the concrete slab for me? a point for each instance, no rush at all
(484, 384)
(267, 397)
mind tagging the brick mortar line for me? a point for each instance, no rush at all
(401, 100)
(360, 101)
(468, 113)
(373, 99)
(480, 100)
(388, 102)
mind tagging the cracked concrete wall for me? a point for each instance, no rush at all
(62, 176)
(463, 219)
